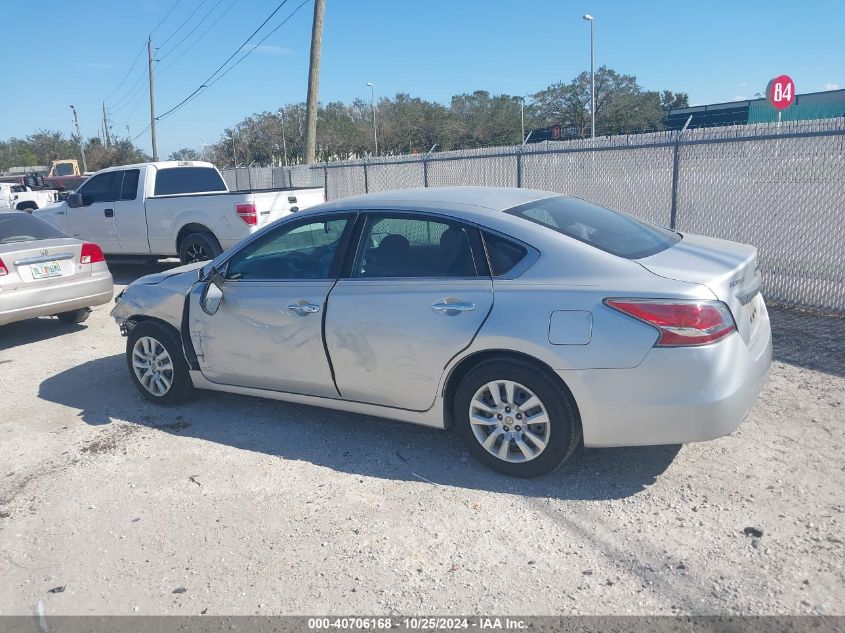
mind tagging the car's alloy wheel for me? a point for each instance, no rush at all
(157, 363)
(516, 417)
(152, 365)
(509, 421)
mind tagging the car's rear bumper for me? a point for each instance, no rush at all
(20, 304)
(676, 395)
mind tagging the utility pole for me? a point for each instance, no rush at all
(152, 98)
(284, 142)
(106, 126)
(314, 82)
(373, 106)
(79, 136)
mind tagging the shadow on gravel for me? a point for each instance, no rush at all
(345, 442)
(33, 331)
(809, 340)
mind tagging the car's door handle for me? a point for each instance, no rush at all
(451, 307)
(109, 213)
(303, 308)
(60, 212)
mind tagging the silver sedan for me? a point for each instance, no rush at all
(43, 272)
(526, 319)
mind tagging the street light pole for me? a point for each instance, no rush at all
(79, 136)
(592, 22)
(373, 106)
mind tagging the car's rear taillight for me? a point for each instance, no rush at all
(680, 322)
(246, 212)
(91, 254)
(3, 269)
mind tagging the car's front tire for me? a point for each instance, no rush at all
(156, 363)
(516, 418)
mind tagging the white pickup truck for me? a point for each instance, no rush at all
(170, 208)
(25, 198)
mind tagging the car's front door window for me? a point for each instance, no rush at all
(304, 251)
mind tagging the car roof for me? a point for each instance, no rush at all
(455, 199)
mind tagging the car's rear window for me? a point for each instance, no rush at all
(598, 226)
(173, 180)
(22, 227)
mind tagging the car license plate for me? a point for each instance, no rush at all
(43, 271)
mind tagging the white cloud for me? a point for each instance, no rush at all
(274, 50)
(831, 86)
(740, 98)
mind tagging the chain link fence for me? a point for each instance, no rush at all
(780, 187)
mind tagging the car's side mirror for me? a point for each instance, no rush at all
(212, 297)
(74, 200)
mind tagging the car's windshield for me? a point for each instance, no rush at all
(22, 227)
(598, 226)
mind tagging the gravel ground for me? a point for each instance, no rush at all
(233, 505)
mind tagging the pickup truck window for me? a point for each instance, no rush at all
(175, 180)
(100, 188)
(129, 188)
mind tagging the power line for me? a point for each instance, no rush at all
(260, 42)
(128, 72)
(130, 95)
(219, 68)
(196, 26)
(155, 28)
(199, 39)
(141, 50)
(181, 26)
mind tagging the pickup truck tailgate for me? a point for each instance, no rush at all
(274, 205)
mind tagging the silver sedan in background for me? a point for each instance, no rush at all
(526, 319)
(43, 272)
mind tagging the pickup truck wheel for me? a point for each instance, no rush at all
(198, 247)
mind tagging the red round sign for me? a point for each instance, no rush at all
(781, 92)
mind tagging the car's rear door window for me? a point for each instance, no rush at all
(129, 186)
(416, 246)
(603, 228)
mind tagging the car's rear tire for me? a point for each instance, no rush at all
(157, 364)
(198, 247)
(74, 316)
(530, 429)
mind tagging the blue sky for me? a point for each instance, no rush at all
(79, 52)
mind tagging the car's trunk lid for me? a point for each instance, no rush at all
(40, 263)
(729, 269)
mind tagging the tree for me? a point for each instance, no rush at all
(622, 106)
(672, 100)
(186, 153)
